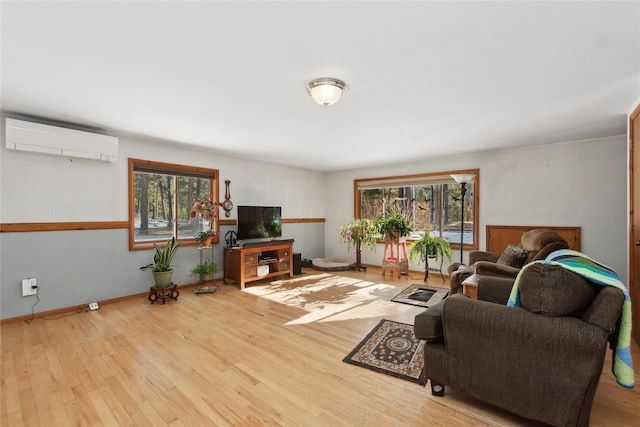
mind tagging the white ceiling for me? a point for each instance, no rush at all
(425, 79)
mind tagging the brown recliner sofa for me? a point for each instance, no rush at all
(534, 244)
(542, 361)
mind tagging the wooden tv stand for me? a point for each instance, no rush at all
(243, 264)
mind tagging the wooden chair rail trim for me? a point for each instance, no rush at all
(301, 220)
(23, 227)
(61, 226)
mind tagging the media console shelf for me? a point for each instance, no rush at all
(257, 261)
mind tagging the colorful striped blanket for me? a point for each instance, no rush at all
(599, 274)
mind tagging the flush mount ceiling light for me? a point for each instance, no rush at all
(326, 91)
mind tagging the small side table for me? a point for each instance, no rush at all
(168, 292)
(470, 286)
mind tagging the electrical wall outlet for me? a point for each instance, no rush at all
(93, 306)
(29, 287)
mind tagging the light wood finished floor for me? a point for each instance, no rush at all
(271, 355)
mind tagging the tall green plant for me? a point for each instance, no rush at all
(429, 246)
(359, 231)
(163, 256)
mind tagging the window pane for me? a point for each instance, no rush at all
(190, 188)
(371, 205)
(427, 208)
(154, 206)
(452, 208)
(469, 210)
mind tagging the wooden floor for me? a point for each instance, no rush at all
(269, 355)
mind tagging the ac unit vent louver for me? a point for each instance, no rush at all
(40, 138)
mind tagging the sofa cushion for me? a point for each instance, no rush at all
(554, 291)
(428, 324)
(541, 242)
(513, 256)
(538, 238)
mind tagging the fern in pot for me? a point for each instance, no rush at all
(427, 247)
(393, 226)
(205, 270)
(161, 266)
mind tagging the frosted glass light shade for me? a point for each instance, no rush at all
(326, 91)
(463, 178)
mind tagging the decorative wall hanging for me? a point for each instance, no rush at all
(227, 205)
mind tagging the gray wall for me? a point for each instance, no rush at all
(74, 268)
(582, 183)
(78, 267)
(575, 184)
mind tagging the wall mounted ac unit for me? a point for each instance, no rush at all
(39, 138)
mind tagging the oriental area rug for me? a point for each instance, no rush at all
(393, 349)
(421, 295)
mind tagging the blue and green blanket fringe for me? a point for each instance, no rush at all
(600, 274)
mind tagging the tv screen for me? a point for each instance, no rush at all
(259, 222)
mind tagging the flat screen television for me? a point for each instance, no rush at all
(259, 222)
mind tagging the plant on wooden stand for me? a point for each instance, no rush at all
(393, 226)
(161, 266)
(357, 232)
(427, 247)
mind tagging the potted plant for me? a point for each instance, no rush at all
(205, 270)
(428, 246)
(206, 208)
(393, 226)
(161, 266)
(357, 232)
(205, 237)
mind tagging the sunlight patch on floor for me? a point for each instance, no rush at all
(329, 298)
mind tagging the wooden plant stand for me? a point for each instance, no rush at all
(358, 266)
(395, 257)
(168, 292)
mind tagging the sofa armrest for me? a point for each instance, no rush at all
(605, 309)
(495, 289)
(475, 256)
(487, 268)
(428, 324)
